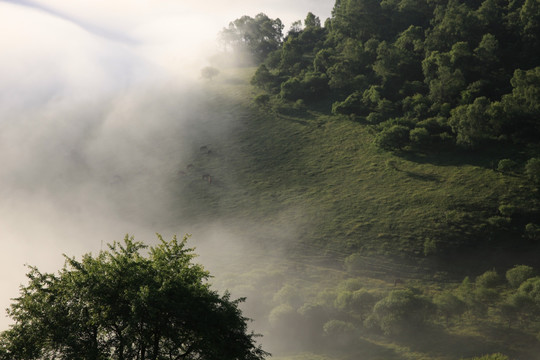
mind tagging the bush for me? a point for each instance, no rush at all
(532, 170)
(395, 137)
(338, 327)
(489, 279)
(518, 274)
(400, 311)
(354, 262)
(532, 231)
(506, 165)
(311, 86)
(449, 305)
(351, 105)
(499, 221)
(261, 100)
(281, 315)
(507, 210)
(420, 137)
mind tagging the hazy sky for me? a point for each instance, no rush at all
(86, 88)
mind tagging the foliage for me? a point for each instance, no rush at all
(532, 170)
(399, 311)
(489, 279)
(473, 64)
(258, 36)
(506, 165)
(449, 305)
(518, 274)
(393, 138)
(123, 305)
(261, 100)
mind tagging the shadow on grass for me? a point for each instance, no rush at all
(487, 157)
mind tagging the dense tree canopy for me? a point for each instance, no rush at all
(471, 66)
(121, 304)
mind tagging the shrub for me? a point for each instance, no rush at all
(354, 262)
(507, 210)
(399, 311)
(281, 315)
(392, 138)
(420, 136)
(532, 231)
(532, 170)
(506, 165)
(489, 279)
(518, 274)
(499, 221)
(338, 327)
(449, 305)
(351, 105)
(261, 100)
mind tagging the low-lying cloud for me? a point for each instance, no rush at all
(99, 107)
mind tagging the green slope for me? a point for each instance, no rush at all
(321, 214)
(292, 166)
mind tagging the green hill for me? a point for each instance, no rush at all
(375, 190)
(327, 221)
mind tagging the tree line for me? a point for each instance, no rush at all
(426, 73)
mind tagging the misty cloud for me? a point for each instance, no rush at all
(99, 108)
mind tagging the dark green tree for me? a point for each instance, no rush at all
(121, 304)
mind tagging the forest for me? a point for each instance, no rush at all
(426, 74)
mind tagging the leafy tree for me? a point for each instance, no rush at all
(258, 36)
(393, 138)
(357, 18)
(312, 21)
(470, 122)
(121, 304)
(264, 79)
(400, 310)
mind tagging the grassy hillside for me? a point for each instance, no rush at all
(329, 217)
(323, 175)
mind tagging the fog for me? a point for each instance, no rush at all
(100, 105)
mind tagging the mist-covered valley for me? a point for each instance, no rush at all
(352, 232)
